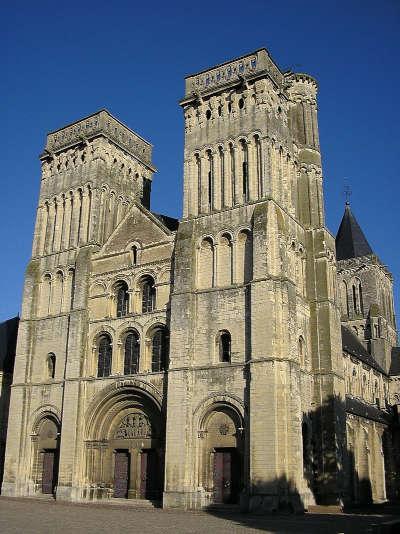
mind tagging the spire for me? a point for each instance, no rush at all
(350, 240)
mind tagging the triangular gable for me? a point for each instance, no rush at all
(137, 225)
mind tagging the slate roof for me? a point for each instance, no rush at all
(169, 222)
(395, 363)
(350, 239)
(357, 407)
(352, 345)
(8, 342)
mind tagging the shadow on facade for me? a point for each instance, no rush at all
(332, 473)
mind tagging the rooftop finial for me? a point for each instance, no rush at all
(347, 194)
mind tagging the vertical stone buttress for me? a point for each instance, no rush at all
(89, 169)
(326, 415)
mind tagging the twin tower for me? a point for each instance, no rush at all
(184, 361)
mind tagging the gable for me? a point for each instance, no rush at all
(138, 225)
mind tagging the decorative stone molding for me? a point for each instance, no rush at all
(100, 123)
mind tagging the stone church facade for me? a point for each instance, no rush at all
(229, 357)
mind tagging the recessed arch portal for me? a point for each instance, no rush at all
(220, 451)
(125, 435)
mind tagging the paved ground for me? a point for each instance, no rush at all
(44, 517)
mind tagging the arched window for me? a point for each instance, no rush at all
(245, 172)
(148, 294)
(104, 356)
(134, 251)
(122, 297)
(224, 346)
(132, 351)
(210, 179)
(360, 294)
(225, 250)
(51, 365)
(302, 351)
(205, 268)
(159, 350)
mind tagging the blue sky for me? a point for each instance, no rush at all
(65, 60)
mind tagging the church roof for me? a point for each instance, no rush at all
(395, 364)
(352, 345)
(350, 239)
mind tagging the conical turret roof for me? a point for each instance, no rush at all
(350, 239)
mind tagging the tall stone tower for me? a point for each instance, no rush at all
(92, 171)
(366, 291)
(255, 328)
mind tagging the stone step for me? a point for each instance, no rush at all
(324, 509)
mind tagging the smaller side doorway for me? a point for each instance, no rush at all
(49, 473)
(226, 476)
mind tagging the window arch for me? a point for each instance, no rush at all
(122, 299)
(159, 350)
(224, 263)
(104, 355)
(46, 294)
(244, 269)
(302, 350)
(135, 254)
(148, 292)
(205, 271)
(132, 353)
(245, 171)
(51, 365)
(224, 346)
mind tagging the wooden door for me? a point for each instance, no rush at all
(149, 475)
(48, 474)
(121, 474)
(226, 470)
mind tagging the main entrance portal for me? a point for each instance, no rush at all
(125, 455)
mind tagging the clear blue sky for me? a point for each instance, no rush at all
(65, 60)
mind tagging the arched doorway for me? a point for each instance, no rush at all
(125, 449)
(46, 446)
(221, 454)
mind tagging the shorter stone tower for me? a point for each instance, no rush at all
(366, 291)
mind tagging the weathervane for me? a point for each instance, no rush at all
(347, 193)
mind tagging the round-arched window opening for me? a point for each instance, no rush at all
(219, 110)
(208, 114)
(229, 107)
(122, 297)
(225, 346)
(279, 109)
(241, 103)
(134, 251)
(51, 365)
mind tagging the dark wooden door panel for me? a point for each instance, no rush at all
(226, 476)
(121, 474)
(149, 475)
(48, 474)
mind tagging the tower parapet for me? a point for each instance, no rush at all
(103, 124)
